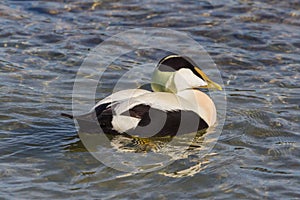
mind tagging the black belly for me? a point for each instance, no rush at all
(154, 122)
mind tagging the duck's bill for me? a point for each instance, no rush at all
(210, 83)
(213, 85)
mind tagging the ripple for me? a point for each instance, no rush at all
(255, 45)
(47, 54)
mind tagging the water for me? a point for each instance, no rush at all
(256, 46)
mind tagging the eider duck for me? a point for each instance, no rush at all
(175, 106)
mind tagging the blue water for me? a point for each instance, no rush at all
(256, 46)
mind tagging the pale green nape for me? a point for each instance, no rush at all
(160, 80)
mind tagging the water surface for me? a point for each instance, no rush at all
(256, 46)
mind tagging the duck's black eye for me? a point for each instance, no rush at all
(173, 63)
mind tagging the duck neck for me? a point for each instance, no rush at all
(163, 81)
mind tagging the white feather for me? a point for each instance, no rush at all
(186, 79)
(159, 100)
(123, 123)
(202, 104)
(121, 96)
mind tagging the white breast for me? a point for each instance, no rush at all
(203, 105)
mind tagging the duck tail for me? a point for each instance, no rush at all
(67, 115)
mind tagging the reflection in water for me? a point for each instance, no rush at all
(153, 152)
(127, 143)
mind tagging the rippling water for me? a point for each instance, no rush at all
(256, 46)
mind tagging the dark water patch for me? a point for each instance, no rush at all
(43, 10)
(50, 38)
(248, 38)
(91, 41)
(48, 54)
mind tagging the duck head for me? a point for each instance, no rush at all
(175, 73)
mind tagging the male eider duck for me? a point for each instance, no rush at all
(176, 106)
